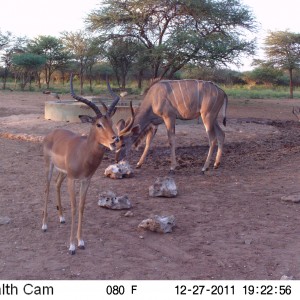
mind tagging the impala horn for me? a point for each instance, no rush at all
(92, 105)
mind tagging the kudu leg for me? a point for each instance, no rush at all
(220, 137)
(71, 189)
(149, 139)
(59, 180)
(210, 130)
(49, 171)
(170, 124)
(83, 191)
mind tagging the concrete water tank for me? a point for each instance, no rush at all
(69, 110)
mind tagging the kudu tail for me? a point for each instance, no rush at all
(225, 104)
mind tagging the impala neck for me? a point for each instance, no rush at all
(93, 145)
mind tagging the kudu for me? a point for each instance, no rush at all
(77, 158)
(170, 99)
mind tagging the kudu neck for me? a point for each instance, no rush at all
(144, 118)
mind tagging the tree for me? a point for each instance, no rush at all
(264, 74)
(141, 66)
(121, 55)
(4, 39)
(83, 49)
(93, 55)
(53, 50)
(177, 32)
(283, 51)
(15, 45)
(27, 65)
(218, 75)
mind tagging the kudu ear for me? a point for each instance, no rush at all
(136, 130)
(130, 132)
(86, 119)
(120, 125)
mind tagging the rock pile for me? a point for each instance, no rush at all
(110, 200)
(163, 187)
(161, 224)
(119, 171)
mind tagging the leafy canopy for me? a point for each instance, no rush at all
(28, 61)
(283, 49)
(176, 32)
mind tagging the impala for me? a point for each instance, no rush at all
(170, 99)
(77, 158)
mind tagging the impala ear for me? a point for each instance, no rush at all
(86, 119)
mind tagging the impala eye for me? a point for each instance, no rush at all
(99, 125)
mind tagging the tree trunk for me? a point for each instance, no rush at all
(38, 75)
(63, 77)
(291, 83)
(22, 82)
(90, 81)
(15, 86)
(81, 81)
(5, 78)
(118, 78)
(47, 76)
(90, 78)
(140, 79)
(123, 82)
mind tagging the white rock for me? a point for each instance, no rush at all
(163, 187)
(119, 171)
(286, 277)
(128, 214)
(4, 220)
(110, 200)
(291, 198)
(161, 224)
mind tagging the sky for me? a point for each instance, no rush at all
(272, 16)
(32, 18)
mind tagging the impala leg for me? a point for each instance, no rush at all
(220, 137)
(149, 139)
(83, 191)
(49, 171)
(71, 189)
(59, 180)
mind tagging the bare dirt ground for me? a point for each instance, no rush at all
(230, 223)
